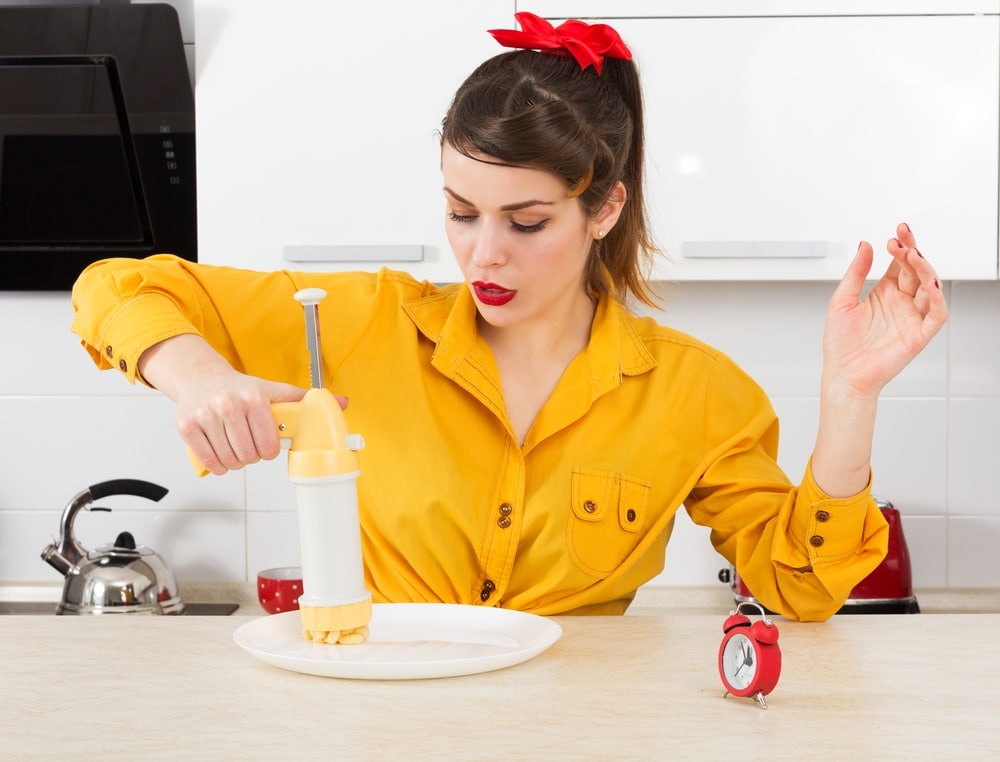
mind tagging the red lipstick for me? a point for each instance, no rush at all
(491, 294)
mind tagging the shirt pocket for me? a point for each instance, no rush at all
(609, 511)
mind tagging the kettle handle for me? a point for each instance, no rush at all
(65, 554)
(136, 487)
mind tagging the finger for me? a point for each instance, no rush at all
(907, 279)
(914, 271)
(905, 235)
(242, 446)
(911, 276)
(848, 291)
(223, 424)
(200, 446)
(264, 432)
(927, 275)
(922, 270)
(936, 314)
(930, 299)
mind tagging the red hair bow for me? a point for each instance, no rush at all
(587, 43)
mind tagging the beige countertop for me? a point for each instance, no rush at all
(640, 687)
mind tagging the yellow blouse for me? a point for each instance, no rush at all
(571, 520)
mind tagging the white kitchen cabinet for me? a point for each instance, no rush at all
(317, 127)
(782, 133)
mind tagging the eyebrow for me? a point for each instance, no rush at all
(506, 207)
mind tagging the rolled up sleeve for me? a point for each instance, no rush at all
(119, 312)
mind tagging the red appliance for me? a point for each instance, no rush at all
(887, 590)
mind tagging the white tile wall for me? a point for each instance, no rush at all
(66, 426)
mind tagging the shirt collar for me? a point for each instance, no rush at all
(448, 318)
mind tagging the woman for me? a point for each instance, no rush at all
(528, 439)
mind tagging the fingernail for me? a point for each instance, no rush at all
(918, 253)
(907, 228)
(896, 241)
(859, 247)
(937, 285)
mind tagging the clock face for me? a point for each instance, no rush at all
(739, 661)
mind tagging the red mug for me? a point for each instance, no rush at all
(279, 589)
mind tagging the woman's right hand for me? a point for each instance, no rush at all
(227, 422)
(223, 416)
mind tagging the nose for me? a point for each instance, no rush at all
(487, 249)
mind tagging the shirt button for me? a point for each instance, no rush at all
(822, 516)
(630, 514)
(590, 506)
(503, 522)
(123, 366)
(488, 587)
(506, 509)
(815, 540)
(109, 351)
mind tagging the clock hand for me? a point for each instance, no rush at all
(747, 653)
(747, 658)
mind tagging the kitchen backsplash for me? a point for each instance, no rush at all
(67, 426)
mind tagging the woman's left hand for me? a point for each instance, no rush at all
(868, 341)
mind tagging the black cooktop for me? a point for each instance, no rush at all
(48, 607)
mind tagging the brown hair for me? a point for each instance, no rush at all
(543, 111)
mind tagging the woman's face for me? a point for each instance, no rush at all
(521, 242)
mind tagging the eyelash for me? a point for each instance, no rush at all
(536, 228)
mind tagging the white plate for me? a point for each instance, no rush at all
(407, 641)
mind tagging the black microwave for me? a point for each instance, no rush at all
(97, 140)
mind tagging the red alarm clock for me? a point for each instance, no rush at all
(749, 657)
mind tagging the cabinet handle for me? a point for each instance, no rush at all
(754, 249)
(354, 253)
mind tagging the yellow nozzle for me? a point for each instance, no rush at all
(343, 618)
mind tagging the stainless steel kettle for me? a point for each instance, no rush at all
(120, 578)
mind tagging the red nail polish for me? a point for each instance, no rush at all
(937, 285)
(896, 241)
(918, 253)
(907, 228)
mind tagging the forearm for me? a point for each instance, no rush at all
(181, 361)
(841, 461)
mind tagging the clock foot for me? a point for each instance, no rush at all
(760, 700)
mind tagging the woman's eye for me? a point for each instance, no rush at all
(537, 227)
(455, 217)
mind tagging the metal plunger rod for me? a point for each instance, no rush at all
(310, 298)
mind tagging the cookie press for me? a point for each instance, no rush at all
(323, 465)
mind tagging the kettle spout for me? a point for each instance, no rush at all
(64, 554)
(57, 560)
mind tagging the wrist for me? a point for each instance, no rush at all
(842, 455)
(178, 361)
(837, 391)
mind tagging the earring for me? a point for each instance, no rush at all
(600, 234)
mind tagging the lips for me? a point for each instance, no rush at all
(491, 294)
